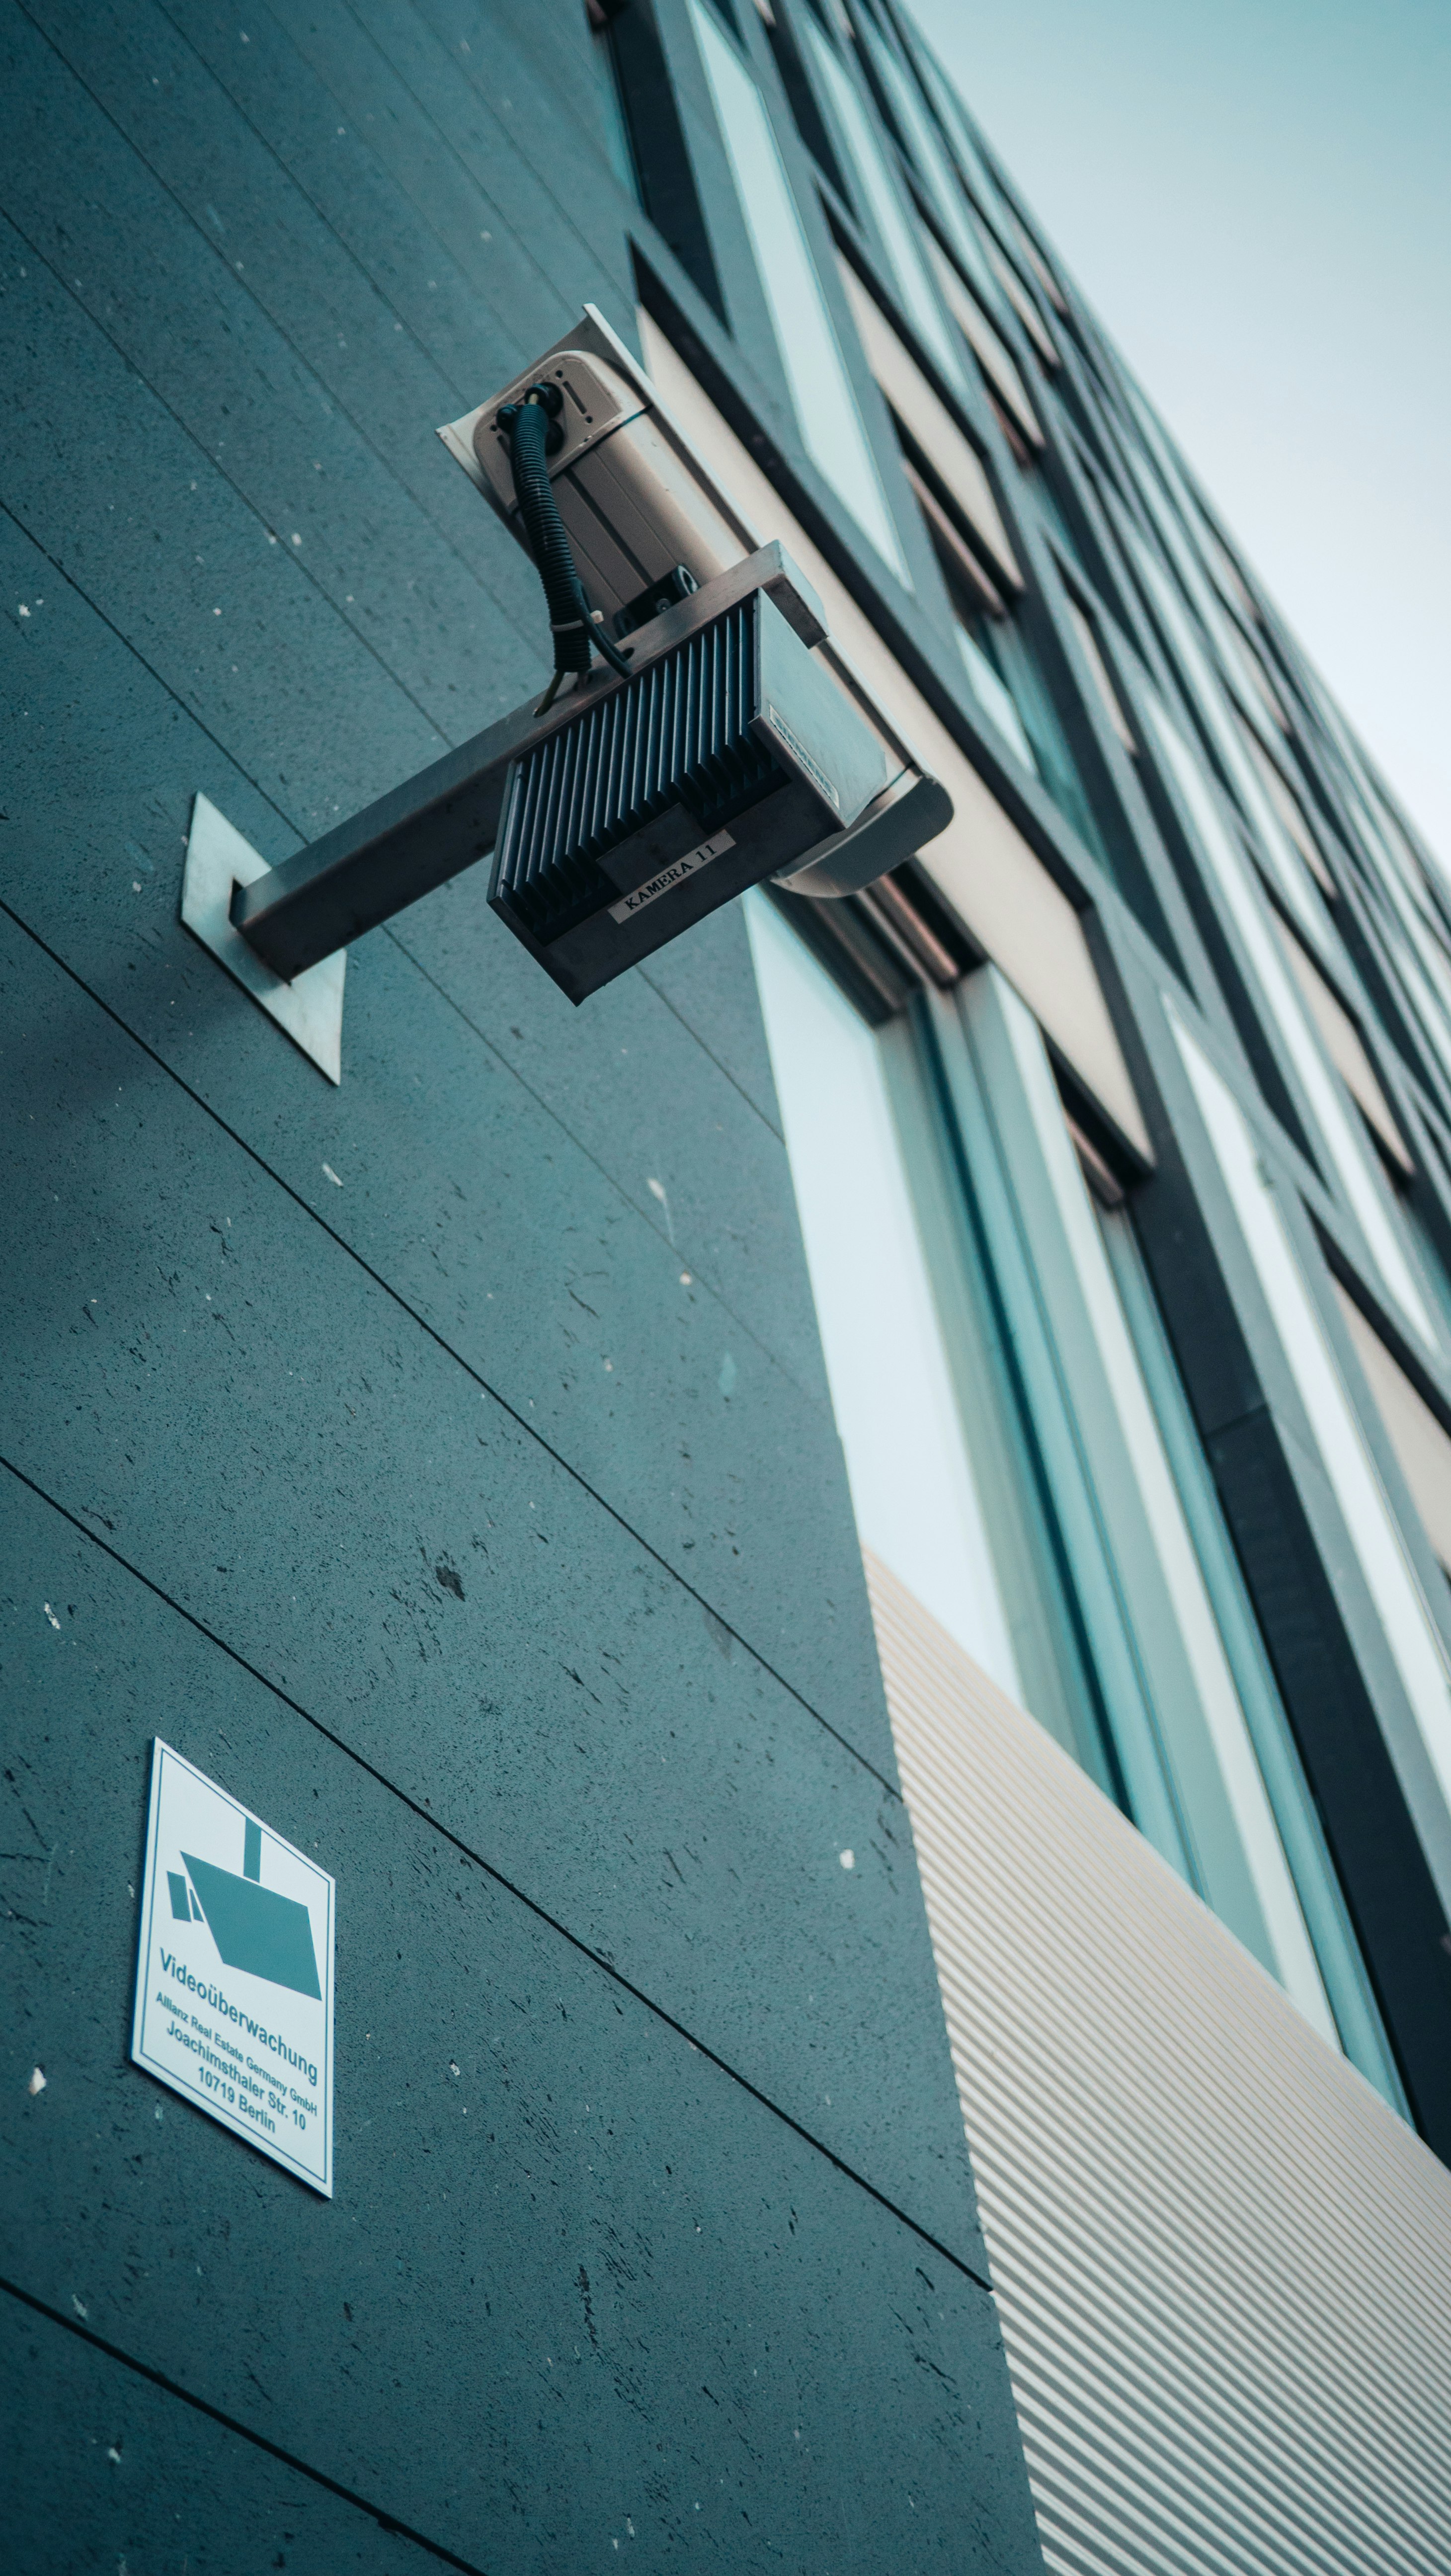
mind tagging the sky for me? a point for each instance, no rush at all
(1256, 202)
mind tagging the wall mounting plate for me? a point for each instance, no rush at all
(310, 1008)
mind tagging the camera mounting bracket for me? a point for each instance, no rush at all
(310, 1008)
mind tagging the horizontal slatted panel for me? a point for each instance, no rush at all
(1223, 2265)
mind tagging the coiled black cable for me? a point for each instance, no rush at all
(528, 426)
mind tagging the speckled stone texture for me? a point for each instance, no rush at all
(442, 1463)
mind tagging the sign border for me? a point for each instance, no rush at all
(161, 1754)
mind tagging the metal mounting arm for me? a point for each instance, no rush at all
(380, 861)
(437, 824)
(283, 932)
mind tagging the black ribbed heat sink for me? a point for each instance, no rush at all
(679, 734)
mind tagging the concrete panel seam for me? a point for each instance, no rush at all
(662, 996)
(453, 1004)
(521, 1895)
(170, 2388)
(247, 503)
(128, 645)
(325, 393)
(431, 1332)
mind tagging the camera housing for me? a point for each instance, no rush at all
(636, 507)
(827, 798)
(726, 741)
(715, 765)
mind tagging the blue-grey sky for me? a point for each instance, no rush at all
(1256, 200)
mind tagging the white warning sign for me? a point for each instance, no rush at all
(234, 1976)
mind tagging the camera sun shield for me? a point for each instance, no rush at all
(723, 761)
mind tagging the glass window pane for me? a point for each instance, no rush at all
(1345, 1047)
(1432, 1261)
(995, 697)
(1290, 869)
(933, 165)
(826, 409)
(925, 422)
(1364, 1189)
(912, 1487)
(1418, 1437)
(1296, 1821)
(1093, 656)
(883, 194)
(991, 352)
(1410, 1632)
(1009, 686)
(612, 116)
(933, 1229)
(1056, 766)
(1168, 1684)
(954, 121)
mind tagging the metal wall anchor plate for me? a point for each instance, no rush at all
(310, 1009)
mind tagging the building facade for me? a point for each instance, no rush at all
(966, 1415)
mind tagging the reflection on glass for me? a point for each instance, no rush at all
(1013, 694)
(933, 164)
(912, 1486)
(1288, 1828)
(970, 161)
(995, 697)
(883, 195)
(1354, 1163)
(821, 394)
(1432, 1260)
(1411, 1635)
(618, 147)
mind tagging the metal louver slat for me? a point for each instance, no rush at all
(1223, 2265)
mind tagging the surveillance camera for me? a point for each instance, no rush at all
(700, 732)
(635, 512)
(724, 751)
(722, 761)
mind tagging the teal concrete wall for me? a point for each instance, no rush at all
(442, 1463)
